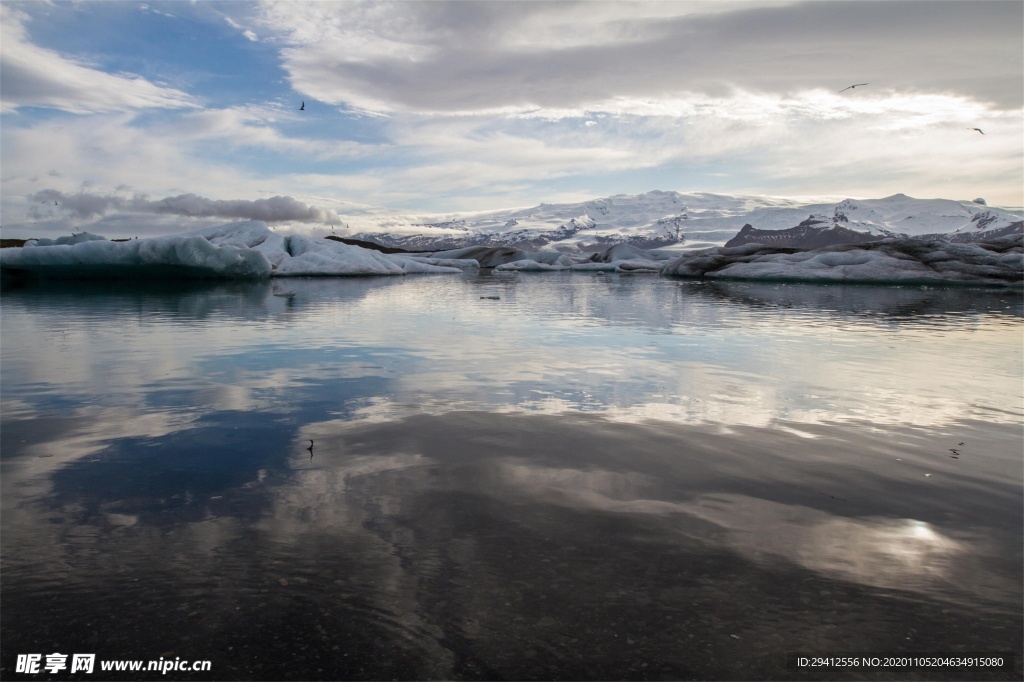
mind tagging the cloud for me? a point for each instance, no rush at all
(485, 104)
(815, 138)
(248, 33)
(257, 126)
(441, 57)
(84, 205)
(36, 77)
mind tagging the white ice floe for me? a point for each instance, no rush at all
(905, 260)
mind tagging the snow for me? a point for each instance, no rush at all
(889, 261)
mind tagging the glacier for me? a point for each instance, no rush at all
(251, 250)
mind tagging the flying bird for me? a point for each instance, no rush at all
(978, 129)
(852, 87)
(303, 107)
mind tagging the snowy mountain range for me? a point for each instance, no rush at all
(661, 219)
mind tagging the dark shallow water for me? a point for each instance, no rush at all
(588, 478)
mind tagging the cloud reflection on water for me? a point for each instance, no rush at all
(460, 442)
(633, 348)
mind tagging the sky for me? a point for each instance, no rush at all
(128, 118)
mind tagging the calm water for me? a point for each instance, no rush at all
(586, 477)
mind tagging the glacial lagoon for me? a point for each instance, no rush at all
(510, 476)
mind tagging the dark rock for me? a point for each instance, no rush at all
(806, 235)
(370, 245)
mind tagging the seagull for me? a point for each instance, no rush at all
(852, 87)
(310, 448)
(978, 129)
(303, 107)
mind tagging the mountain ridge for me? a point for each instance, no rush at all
(660, 219)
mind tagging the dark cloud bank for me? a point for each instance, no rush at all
(84, 205)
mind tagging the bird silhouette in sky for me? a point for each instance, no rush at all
(303, 107)
(852, 87)
(978, 129)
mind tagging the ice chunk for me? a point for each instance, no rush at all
(326, 258)
(253, 234)
(420, 264)
(493, 256)
(159, 257)
(595, 267)
(531, 265)
(904, 260)
(242, 249)
(623, 252)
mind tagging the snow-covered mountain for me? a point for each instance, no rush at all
(661, 219)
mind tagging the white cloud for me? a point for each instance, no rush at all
(248, 33)
(257, 126)
(485, 104)
(440, 57)
(34, 76)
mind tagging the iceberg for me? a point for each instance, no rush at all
(142, 258)
(888, 261)
(240, 250)
(528, 265)
(250, 249)
(626, 257)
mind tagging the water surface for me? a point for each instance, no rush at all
(512, 476)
